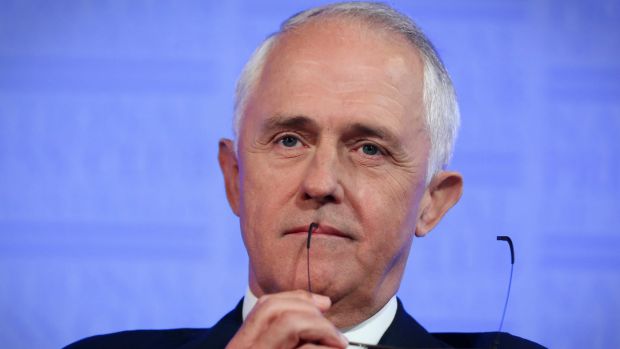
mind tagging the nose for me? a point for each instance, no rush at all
(322, 181)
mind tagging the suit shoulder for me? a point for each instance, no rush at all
(138, 339)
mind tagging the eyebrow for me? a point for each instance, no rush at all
(357, 130)
(297, 122)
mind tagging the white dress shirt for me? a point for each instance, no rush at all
(368, 332)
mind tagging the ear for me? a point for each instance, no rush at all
(230, 169)
(442, 193)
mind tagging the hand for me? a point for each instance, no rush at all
(288, 320)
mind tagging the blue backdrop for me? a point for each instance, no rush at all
(112, 208)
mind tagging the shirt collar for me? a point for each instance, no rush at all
(368, 332)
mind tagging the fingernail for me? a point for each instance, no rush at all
(320, 300)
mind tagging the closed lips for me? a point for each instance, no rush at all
(321, 230)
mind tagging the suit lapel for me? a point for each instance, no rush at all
(405, 332)
(221, 333)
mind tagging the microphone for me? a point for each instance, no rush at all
(314, 225)
(310, 229)
(512, 265)
(512, 250)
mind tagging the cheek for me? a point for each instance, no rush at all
(389, 206)
(264, 191)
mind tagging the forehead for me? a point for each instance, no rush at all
(356, 69)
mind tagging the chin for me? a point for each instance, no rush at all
(330, 283)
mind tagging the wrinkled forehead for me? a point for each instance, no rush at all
(342, 55)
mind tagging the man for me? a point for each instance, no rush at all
(345, 121)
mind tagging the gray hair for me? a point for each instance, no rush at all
(441, 108)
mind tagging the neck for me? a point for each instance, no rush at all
(354, 309)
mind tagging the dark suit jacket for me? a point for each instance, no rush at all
(404, 332)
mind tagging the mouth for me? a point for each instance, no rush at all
(323, 230)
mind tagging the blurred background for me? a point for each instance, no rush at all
(112, 208)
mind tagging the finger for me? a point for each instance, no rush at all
(291, 329)
(270, 307)
(323, 302)
(314, 346)
(267, 310)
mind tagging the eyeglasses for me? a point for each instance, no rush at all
(314, 225)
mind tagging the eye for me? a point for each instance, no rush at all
(370, 149)
(288, 141)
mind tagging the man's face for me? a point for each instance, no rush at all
(333, 134)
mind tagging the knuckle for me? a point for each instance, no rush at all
(284, 319)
